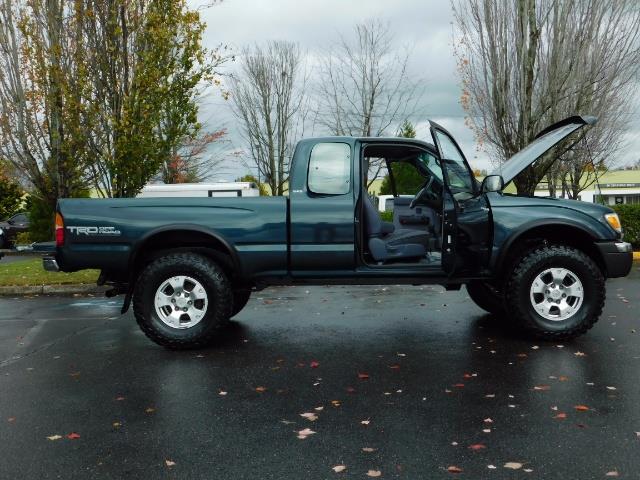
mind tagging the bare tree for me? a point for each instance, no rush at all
(525, 64)
(364, 88)
(269, 101)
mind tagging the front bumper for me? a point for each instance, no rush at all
(617, 257)
(50, 264)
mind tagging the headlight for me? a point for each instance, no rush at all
(614, 221)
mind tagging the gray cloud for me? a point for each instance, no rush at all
(425, 26)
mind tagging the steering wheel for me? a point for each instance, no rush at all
(425, 192)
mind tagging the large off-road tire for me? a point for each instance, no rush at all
(182, 300)
(486, 297)
(555, 292)
(240, 298)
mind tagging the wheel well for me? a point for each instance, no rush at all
(556, 235)
(173, 241)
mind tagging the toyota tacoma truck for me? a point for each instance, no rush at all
(188, 265)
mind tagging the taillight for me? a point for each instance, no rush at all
(59, 230)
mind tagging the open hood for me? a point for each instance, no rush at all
(544, 141)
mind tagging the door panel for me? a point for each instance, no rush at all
(322, 213)
(467, 215)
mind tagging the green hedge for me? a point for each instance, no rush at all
(386, 216)
(630, 218)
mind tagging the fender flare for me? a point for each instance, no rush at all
(517, 235)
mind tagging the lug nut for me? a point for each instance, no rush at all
(173, 300)
(189, 302)
(185, 308)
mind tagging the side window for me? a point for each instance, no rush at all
(19, 218)
(458, 174)
(330, 169)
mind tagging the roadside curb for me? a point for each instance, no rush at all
(50, 290)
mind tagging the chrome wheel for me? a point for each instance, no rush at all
(556, 294)
(181, 302)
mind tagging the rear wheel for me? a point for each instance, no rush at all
(182, 300)
(486, 296)
(555, 292)
(240, 299)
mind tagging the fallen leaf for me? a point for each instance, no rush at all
(528, 470)
(365, 422)
(54, 437)
(74, 374)
(169, 463)
(581, 408)
(319, 409)
(351, 390)
(477, 446)
(116, 424)
(73, 436)
(363, 376)
(580, 354)
(561, 416)
(488, 420)
(563, 378)
(374, 473)
(261, 389)
(394, 367)
(11, 419)
(339, 468)
(335, 403)
(119, 399)
(150, 410)
(454, 469)
(612, 473)
(543, 388)
(314, 364)
(368, 449)
(312, 417)
(611, 388)
(302, 434)
(491, 467)
(486, 430)
(513, 465)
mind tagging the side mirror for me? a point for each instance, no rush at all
(492, 183)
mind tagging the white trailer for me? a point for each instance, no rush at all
(217, 189)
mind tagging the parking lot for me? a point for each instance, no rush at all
(405, 382)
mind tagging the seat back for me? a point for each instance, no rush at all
(371, 217)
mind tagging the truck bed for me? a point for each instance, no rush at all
(103, 233)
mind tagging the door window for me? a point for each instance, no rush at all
(458, 175)
(330, 169)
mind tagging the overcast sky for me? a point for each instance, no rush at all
(424, 25)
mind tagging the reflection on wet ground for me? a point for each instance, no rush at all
(411, 382)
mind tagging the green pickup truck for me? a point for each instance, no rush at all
(190, 264)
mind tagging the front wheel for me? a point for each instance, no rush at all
(555, 292)
(181, 300)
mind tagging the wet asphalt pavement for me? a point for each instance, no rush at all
(406, 382)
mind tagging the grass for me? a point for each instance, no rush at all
(30, 272)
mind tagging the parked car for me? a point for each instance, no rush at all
(11, 227)
(189, 264)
